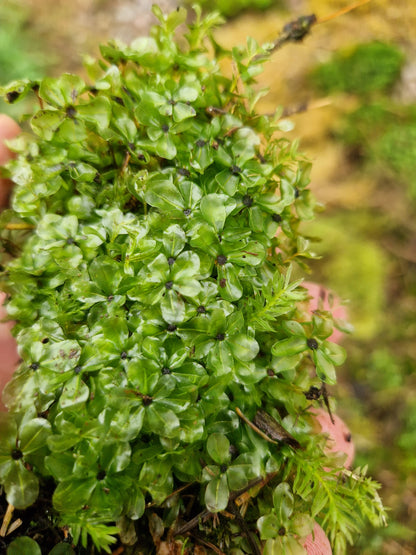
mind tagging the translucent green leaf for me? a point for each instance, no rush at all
(72, 494)
(21, 486)
(204, 238)
(214, 209)
(174, 18)
(45, 122)
(283, 502)
(183, 111)
(294, 328)
(8, 434)
(97, 113)
(252, 253)
(320, 500)
(227, 181)
(123, 122)
(156, 478)
(188, 287)
(243, 347)
(135, 504)
(188, 93)
(33, 435)
(60, 465)
(165, 147)
(302, 524)
(75, 392)
(268, 527)
(218, 447)
(16, 90)
(115, 456)
(217, 494)
(61, 91)
(230, 287)
(324, 367)
(186, 266)
(106, 273)
(25, 546)
(172, 307)
(161, 421)
(289, 347)
(71, 130)
(239, 475)
(163, 194)
(142, 375)
(174, 239)
(220, 359)
(335, 352)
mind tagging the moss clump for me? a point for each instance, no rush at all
(165, 359)
(362, 70)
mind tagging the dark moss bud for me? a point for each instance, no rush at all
(34, 366)
(201, 309)
(16, 454)
(248, 201)
(12, 96)
(184, 172)
(312, 343)
(221, 259)
(169, 285)
(147, 400)
(277, 218)
(71, 112)
(220, 337)
(313, 393)
(101, 475)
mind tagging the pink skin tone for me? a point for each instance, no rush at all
(339, 440)
(338, 311)
(339, 436)
(8, 353)
(316, 543)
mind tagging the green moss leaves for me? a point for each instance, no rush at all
(153, 299)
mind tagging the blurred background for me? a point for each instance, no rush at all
(357, 74)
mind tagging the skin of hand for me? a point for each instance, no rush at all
(339, 436)
(8, 353)
(338, 311)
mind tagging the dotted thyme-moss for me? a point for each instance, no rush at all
(165, 362)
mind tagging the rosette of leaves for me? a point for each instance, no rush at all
(164, 358)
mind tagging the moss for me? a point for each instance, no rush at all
(231, 8)
(362, 70)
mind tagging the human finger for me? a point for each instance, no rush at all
(8, 130)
